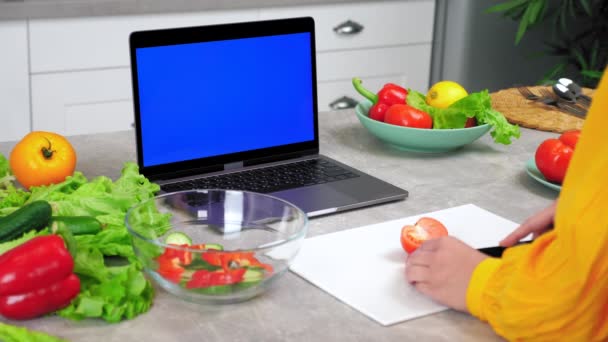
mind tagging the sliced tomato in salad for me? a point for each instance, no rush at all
(426, 228)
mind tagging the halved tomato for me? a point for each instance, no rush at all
(425, 228)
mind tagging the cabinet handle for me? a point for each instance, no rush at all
(344, 102)
(348, 28)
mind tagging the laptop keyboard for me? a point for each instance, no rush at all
(270, 179)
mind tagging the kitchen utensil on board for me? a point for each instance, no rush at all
(549, 98)
(575, 89)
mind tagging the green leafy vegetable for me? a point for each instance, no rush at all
(4, 247)
(109, 290)
(11, 333)
(10, 197)
(477, 105)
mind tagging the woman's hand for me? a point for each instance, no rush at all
(441, 269)
(537, 224)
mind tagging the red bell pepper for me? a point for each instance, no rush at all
(206, 278)
(36, 278)
(184, 257)
(170, 269)
(45, 299)
(232, 260)
(172, 263)
(389, 95)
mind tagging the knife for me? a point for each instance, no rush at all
(497, 251)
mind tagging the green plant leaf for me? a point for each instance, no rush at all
(594, 52)
(506, 6)
(585, 6)
(552, 74)
(580, 59)
(595, 74)
(536, 10)
(530, 17)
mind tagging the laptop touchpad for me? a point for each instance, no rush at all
(316, 198)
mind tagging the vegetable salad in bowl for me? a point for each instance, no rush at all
(216, 246)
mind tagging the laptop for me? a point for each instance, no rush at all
(234, 106)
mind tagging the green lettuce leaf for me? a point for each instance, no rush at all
(10, 197)
(6, 246)
(477, 105)
(123, 294)
(11, 333)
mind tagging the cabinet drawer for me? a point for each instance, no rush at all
(415, 59)
(384, 23)
(342, 93)
(101, 42)
(82, 102)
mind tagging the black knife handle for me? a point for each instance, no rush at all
(497, 251)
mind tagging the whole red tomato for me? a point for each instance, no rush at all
(405, 115)
(553, 156)
(570, 138)
(378, 111)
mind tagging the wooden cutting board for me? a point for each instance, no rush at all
(530, 114)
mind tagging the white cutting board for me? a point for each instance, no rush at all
(365, 267)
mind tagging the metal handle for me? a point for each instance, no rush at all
(348, 28)
(344, 102)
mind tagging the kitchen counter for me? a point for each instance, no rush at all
(23, 9)
(486, 174)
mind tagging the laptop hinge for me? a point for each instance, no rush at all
(232, 166)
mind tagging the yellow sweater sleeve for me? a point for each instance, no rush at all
(556, 289)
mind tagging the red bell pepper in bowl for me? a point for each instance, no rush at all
(389, 95)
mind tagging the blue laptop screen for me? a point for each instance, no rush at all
(208, 99)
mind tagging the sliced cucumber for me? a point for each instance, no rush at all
(178, 238)
(214, 246)
(253, 275)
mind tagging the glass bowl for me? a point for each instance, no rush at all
(216, 246)
(418, 139)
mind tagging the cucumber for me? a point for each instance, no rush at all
(252, 277)
(214, 246)
(178, 238)
(32, 216)
(77, 225)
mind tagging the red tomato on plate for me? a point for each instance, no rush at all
(425, 228)
(553, 156)
(570, 138)
(405, 115)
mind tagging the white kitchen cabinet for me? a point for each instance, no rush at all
(405, 65)
(80, 68)
(102, 42)
(80, 75)
(14, 81)
(389, 41)
(82, 102)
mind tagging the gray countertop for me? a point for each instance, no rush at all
(23, 9)
(486, 174)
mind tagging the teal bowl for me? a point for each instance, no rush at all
(417, 139)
